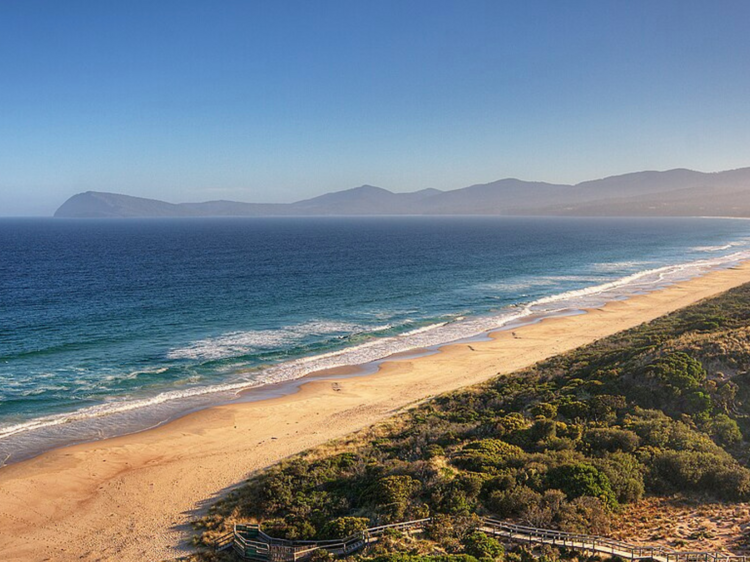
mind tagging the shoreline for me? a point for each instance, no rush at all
(131, 496)
(268, 391)
(40, 435)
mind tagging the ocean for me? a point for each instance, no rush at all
(112, 326)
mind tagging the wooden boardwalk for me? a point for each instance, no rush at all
(251, 543)
(598, 545)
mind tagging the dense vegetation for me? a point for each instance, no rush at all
(658, 409)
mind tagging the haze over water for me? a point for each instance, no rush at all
(112, 326)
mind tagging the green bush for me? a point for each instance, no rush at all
(480, 545)
(724, 430)
(574, 410)
(611, 439)
(605, 407)
(625, 474)
(678, 373)
(544, 410)
(701, 472)
(581, 479)
(343, 527)
(487, 455)
(513, 502)
(395, 489)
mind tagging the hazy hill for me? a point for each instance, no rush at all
(677, 192)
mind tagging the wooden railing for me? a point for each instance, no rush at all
(600, 545)
(251, 543)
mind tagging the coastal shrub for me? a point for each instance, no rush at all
(656, 429)
(625, 474)
(542, 430)
(458, 496)
(699, 403)
(434, 450)
(450, 531)
(586, 515)
(544, 410)
(582, 479)
(343, 527)
(605, 407)
(718, 474)
(548, 511)
(724, 430)
(730, 482)
(479, 545)
(611, 439)
(726, 395)
(486, 455)
(392, 495)
(511, 503)
(511, 423)
(677, 373)
(574, 410)
(395, 489)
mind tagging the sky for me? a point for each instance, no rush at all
(276, 101)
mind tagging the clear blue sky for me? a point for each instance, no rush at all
(276, 101)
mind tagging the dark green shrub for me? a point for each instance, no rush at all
(480, 545)
(543, 429)
(511, 423)
(604, 407)
(625, 474)
(395, 489)
(581, 479)
(545, 410)
(513, 502)
(677, 373)
(724, 430)
(713, 473)
(343, 527)
(394, 497)
(487, 455)
(574, 410)
(730, 482)
(610, 439)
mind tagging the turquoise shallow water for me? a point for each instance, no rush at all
(111, 326)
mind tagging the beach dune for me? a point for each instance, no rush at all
(132, 497)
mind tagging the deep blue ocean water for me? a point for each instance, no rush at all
(108, 326)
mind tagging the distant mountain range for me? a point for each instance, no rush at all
(672, 193)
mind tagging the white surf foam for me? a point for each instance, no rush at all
(721, 248)
(235, 344)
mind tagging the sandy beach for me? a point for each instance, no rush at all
(132, 497)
